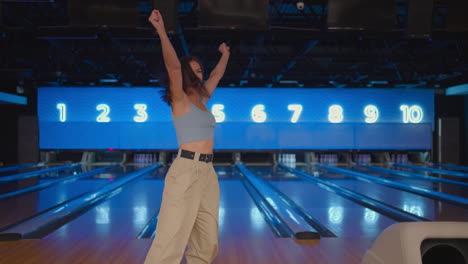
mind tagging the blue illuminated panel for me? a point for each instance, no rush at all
(247, 118)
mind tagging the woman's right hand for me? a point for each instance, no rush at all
(157, 20)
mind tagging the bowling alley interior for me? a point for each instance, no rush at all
(338, 131)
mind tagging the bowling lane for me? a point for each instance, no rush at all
(432, 209)
(22, 206)
(32, 181)
(125, 215)
(452, 189)
(121, 216)
(343, 217)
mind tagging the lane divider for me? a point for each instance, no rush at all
(303, 226)
(149, 230)
(274, 220)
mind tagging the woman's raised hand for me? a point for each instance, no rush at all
(223, 48)
(157, 20)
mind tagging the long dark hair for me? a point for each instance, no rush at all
(189, 80)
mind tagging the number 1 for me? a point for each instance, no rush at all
(63, 112)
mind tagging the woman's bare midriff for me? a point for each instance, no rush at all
(202, 146)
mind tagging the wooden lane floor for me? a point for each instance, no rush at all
(342, 216)
(28, 204)
(233, 250)
(432, 209)
(125, 215)
(109, 235)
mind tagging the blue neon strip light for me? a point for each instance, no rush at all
(451, 166)
(445, 172)
(53, 182)
(20, 167)
(415, 175)
(7, 98)
(31, 174)
(457, 90)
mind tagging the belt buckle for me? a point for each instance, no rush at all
(202, 157)
(206, 157)
(188, 154)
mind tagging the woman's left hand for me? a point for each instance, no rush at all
(223, 48)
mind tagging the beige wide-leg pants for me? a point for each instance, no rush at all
(188, 214)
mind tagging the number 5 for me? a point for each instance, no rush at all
(217, 110)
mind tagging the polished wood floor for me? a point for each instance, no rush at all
(232, 251)
(107, 232)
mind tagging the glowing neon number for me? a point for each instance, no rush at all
(372, 113)
(63, 112)
(335, 114)
(258, 113)
(142, 116)
(103, 117)
(413, 114)
(297, 108)
(217, 111)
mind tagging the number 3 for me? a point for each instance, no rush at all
(142, 116)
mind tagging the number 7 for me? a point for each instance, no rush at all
(297, 108)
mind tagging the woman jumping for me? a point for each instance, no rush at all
(190, 204)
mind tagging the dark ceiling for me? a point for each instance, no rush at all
(299, 48)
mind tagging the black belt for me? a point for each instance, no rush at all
(191, 155)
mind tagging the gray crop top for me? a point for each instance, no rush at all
(196, 125)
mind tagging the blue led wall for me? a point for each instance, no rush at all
(247, 118)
